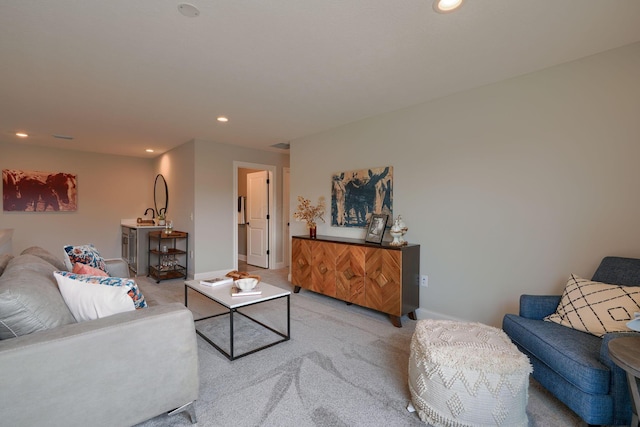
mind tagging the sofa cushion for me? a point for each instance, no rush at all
(596, 308)
(4, 260)
(45, 255)
(86, 254)
(90, 301)
(29, 298)
(571, 353)
(130, 284)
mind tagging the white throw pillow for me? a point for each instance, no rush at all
(88, 301)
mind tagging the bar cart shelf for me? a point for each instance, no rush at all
(168, 255)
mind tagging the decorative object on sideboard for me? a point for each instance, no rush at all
(377, 225)
(33, 191)
(398, 230)
(356, 194)
(308, 213)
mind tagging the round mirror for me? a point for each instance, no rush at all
(160, 195)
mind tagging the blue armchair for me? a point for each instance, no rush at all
(573, 365)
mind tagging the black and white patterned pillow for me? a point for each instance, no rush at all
(596, 308)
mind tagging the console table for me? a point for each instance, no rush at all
(625, 352)
(380, 277)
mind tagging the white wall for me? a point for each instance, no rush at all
(199, 177)
(177, 168)
(508, 188)
(110, 188)
(215, 203)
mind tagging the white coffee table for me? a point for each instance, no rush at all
(221, 294)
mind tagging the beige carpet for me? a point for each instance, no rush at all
(344, 366)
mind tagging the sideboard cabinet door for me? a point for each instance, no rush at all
(383, 280)
(350, 274)
(323, 268)
(301, 263)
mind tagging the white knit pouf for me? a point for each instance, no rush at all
(467, 374)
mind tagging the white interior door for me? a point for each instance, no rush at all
(258, 219)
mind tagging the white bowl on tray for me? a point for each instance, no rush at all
(247, 283)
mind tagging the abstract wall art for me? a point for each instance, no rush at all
(357, 194)
(33, 191)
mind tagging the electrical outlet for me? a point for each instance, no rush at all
(191, 255)
(424, 280)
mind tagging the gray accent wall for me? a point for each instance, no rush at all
(110, 188)
(508, 188)
(199, 177)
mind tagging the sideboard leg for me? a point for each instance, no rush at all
(296, 289)
(397, 322)
(412, 315)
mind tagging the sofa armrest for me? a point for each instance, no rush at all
(538, 306)
(118, 370)
(117, 267)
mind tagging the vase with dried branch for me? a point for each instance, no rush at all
(309, 213)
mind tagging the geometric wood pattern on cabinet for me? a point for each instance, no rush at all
(300, 261)
(350, 274)
(380, 277)
(323, 268)
(383, 280)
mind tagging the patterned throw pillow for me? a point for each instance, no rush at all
(80, 268)
(596, 308)
(89, 302)
(134, 291)
(85, 254)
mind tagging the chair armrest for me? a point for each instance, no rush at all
(117, 267)
(117, 370)
(538, 306)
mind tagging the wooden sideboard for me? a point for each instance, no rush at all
(380, 277)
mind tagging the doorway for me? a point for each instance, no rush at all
(254, 243)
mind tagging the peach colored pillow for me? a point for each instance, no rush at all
(80, 268)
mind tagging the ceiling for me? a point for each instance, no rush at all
(120, 76)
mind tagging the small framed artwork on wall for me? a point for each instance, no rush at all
(376, 228)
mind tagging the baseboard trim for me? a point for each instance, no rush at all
(422, 313)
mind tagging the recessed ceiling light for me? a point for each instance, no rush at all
(188, 10)
(149, 150)
(446, 6)
(67, 137)
(222, 119)
(22, 134)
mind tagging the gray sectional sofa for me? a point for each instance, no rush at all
(114, 371)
